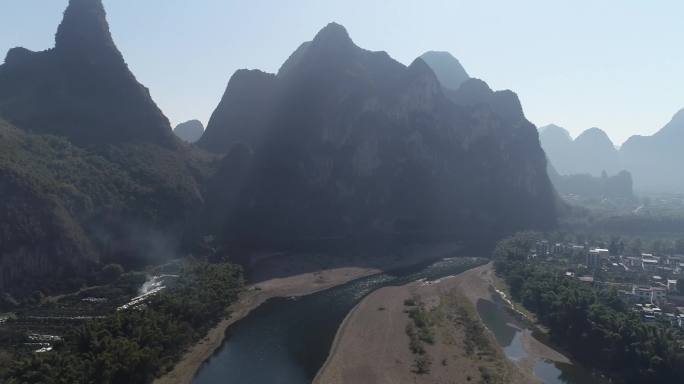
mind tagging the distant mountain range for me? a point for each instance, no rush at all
(189, 131)
(586, 186)
(653, 161)
(341, 144)
(463, 90)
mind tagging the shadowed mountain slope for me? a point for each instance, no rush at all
(352, 143)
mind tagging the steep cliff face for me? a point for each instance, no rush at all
(82, 88)
(246, 108)
(357, 143)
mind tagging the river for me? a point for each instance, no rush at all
(509, 330)
(287, 340)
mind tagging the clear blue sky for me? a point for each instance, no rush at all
(614, 64)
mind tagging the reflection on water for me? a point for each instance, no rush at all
(287, 341)
(503, 325)
(509, 331)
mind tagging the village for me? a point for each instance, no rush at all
(39, 327)
(651, 283)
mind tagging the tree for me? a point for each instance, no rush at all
(423, 364)
(679, 246)
(657, 246)
(112, 272)
(617, 246)
(634, 247)
(591, 322)
(134, 346)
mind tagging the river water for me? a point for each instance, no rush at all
(509, 330)
(287, 340)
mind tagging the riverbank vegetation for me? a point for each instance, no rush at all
(592, 323)
(140, 343)
(420, 331)
(453, 328)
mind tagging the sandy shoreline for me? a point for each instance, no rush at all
(255, 295)
(303, 275)
(371, 345)
(487, 279)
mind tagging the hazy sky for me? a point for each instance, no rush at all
(614, 64)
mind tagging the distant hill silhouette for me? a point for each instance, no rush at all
(619, 186)
(656, 161)
(448, 69)
(189, 131)
(82, 88)
(592, 152)
(348, 142)
(653, 161)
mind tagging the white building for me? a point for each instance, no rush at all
(594, 257)
(649, 265)
(649, 294)
(671, 285)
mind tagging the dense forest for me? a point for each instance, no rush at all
(592, 324)
(133, 346)
(67, 211)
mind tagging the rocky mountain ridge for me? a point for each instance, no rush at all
(356, 143)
